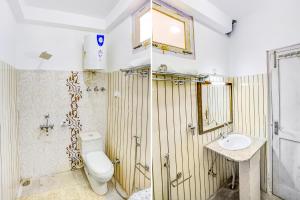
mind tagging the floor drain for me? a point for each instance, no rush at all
(25, 182)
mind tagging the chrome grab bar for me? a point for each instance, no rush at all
(178, 176)
(145, 167)
(138, 166)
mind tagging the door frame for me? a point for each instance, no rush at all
(271, 62)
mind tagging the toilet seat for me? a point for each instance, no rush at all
(99, 165)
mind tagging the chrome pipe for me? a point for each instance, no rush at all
(167, 166)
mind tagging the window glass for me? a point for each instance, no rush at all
(168, 30)
(145, 26)
(142, 27)
(172, 30)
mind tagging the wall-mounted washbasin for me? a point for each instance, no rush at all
(248, 157)
(234, 142)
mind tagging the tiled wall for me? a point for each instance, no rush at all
(9, 138)
(46, 92)
(128, 116)
(43, 92)
(174, 107)
(250, 116)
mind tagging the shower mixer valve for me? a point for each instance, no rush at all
(46, 127)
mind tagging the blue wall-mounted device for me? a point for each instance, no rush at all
(100, 40)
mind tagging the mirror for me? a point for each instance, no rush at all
(214, 105)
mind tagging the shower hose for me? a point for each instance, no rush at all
(134, 171)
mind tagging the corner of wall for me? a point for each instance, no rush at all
(8, 34)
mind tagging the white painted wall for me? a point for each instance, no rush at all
(64, 44)
(211, 54)
(120, 52)
(7, 33)
(275, 24)
(205, 12)
(66, 47)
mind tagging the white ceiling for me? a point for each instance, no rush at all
(92, 8)
(237, 9)
(88, 15)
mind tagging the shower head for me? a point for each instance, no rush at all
(45, 55)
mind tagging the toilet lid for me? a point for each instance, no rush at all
(98, 162)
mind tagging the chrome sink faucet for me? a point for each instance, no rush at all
(226, 124)
(223, 135)
(46, 127)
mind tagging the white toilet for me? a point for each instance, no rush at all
(97, 166)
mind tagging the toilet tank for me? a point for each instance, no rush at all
(90, 141)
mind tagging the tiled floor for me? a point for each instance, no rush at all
(65, 186)
(228, 194)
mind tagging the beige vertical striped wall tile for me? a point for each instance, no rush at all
(187, 153)
(250, 113)
(128, 112)
(174, 106)
(9, 138)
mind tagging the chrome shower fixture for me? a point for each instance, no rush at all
(191, 128)
(163, 68)
(95, 89)
(88, 89)
(137, 140)
(45, 55)
(46, 127)
(102, 89)
(116, 161)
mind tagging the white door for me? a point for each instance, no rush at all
(286, 125)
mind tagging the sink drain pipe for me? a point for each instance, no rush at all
(211, 169)
(233, 175)
(233, 170)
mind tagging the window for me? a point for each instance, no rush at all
(142, 27)
(172, 30)
(145, 28)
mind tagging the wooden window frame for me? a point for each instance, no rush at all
(200, 115)
(136, 28)
(188, 29)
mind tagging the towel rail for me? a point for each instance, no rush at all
(138, 166)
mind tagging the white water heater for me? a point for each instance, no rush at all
(94, 52)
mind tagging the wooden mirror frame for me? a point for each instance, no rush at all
(200, 115)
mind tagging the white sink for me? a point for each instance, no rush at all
(234, 142)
